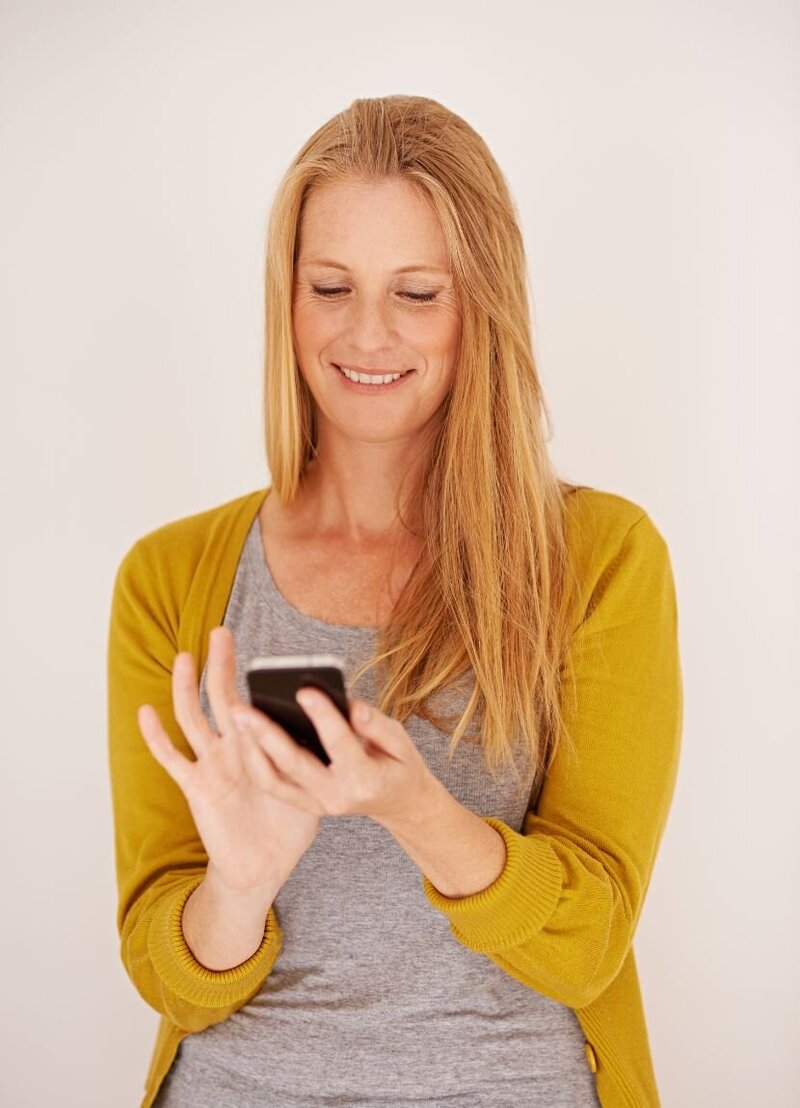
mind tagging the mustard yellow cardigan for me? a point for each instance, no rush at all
(562, 915)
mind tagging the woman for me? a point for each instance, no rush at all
(459, 928)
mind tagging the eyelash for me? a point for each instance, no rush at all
(419, 297)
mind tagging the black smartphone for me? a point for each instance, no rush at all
(274, 680)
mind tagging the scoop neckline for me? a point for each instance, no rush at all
(269, 587)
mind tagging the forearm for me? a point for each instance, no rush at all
(455, 849)
(223, 928)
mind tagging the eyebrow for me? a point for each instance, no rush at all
(414, 267)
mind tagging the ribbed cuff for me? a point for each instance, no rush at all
(515, 906)
(180, 971)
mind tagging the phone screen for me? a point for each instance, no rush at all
(273, 681)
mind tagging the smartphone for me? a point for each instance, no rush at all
(274, 680)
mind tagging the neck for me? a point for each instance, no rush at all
(356, 498)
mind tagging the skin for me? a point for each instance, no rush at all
(254, 785)
(251, 783)
(368, 444)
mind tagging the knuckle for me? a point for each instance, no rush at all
(336, 806)
(362, 791)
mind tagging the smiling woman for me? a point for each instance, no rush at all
(375, 316)
(458, 927)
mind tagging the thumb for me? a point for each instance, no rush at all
(361, 715)
(373, 724)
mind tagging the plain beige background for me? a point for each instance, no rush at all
(653, 152)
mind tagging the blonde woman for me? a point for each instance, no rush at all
(444, 914)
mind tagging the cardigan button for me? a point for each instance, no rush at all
(591, 1058)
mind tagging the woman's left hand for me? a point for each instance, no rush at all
(381, 775)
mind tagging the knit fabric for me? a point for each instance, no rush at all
(370, 987)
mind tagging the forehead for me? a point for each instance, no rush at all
(351, 222)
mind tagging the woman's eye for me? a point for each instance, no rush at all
(421, 297)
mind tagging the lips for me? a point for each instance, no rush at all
(369, 387)
(370, 372)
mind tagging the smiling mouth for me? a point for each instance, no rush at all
(371, 380)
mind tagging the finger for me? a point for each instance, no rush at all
(257, 763)
(333, 730)
(186, 704)
(378, 729)
(177, 765)
(292, 761)
(268, 777)
(221, 678)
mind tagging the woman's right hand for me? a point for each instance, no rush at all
(252, 839)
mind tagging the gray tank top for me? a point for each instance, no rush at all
(372, 1001)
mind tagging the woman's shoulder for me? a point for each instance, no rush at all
(199, 528)
(611, 537)
(599, 520)
(172, 552)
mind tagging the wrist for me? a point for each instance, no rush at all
(428, 805)
(256, 897)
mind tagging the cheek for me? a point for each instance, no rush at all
(437, 335)
(455, 335)
(448, 340)
(313, 328)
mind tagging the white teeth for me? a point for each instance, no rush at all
(370, 379)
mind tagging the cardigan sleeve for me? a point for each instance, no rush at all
(562, 914)
(159, 856)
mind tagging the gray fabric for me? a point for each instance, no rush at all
(372, 1001)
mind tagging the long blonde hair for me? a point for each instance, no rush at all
(489, 601)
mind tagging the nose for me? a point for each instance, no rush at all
(370, 324)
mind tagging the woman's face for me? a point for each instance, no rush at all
(352, 306)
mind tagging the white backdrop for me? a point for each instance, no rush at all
(653, 153)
